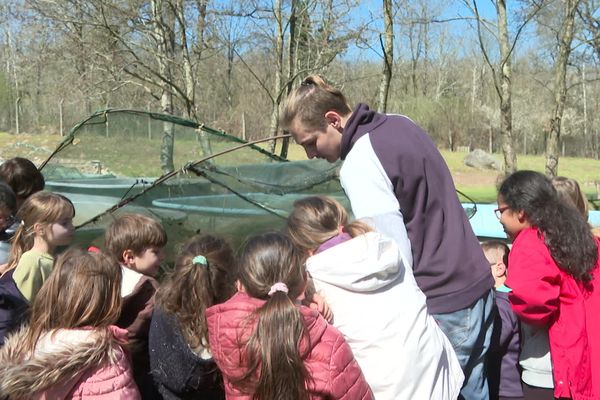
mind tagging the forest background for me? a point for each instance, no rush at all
(510, 77)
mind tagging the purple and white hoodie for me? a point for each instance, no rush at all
(393, 167)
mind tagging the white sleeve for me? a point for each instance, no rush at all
(372, 195)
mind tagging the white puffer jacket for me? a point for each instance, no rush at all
(382, 314)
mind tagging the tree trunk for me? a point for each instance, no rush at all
(293, 46)
(388, 57)
(279, 48)
(162, 22)
(188, 71)
(510, 159)
(560, 86)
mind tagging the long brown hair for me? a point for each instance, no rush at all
(316, 219)
(83, 290)
(276, 349)
(193, 286)
(310, 101)
(39, 208)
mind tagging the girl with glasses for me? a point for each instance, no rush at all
(554, 278)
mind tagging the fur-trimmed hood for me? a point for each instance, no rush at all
(61, 363)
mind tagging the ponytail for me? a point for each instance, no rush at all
(202, 277)
(271, 269)
(21, 241)
(275, 347)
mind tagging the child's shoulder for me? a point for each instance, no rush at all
(34, 256)
(135, 282)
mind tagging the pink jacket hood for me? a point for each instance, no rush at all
(69, 363)
(334, 371)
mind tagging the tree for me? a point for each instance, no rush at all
(565, 39)
(388, 56)
(502, 70)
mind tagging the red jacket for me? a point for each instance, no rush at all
(544, 295)
(334, 371)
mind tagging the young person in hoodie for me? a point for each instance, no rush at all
(392, 167)
(71, 348)
(267, 345)
(181, 362)
(401, 350)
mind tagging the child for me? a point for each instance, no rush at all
(535, 347)
(569, 191)
(553, 275)
(180, 358)
(376, 303)
(137, 242)
(23, 177)
(46, 222)
(504, 377)
(267, 345)
(71, 349)
(8, 208)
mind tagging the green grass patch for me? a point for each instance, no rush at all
(137, 155)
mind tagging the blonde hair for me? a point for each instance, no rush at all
(316, 219)
(83, 290)
(40, 208)
(191, 287)
(309, 102)
(496, 249)
(135, 232)
(569, 191)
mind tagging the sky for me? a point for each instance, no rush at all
(456, 30)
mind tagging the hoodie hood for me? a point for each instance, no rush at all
(363, 120)
(370, 262)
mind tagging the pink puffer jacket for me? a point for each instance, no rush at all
(69, 364)
(334, 371)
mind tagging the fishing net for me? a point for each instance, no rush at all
(180, 172)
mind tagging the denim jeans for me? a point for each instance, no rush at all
(469, 331)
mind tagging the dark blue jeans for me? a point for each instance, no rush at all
(469, 331)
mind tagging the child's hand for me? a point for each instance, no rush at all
(317, 302)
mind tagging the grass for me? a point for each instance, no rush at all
(138, 156)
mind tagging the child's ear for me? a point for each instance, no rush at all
(239, 287)
(128, 257)
(522, 216)
(39, 228)
(501, 269)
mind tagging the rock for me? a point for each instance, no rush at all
(481, 160)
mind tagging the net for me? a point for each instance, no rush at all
(180, 172)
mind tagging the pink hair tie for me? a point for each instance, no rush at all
(278, 287)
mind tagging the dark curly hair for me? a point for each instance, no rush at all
(565, 231)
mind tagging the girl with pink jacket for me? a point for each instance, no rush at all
(71, 349)
(267, 345)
